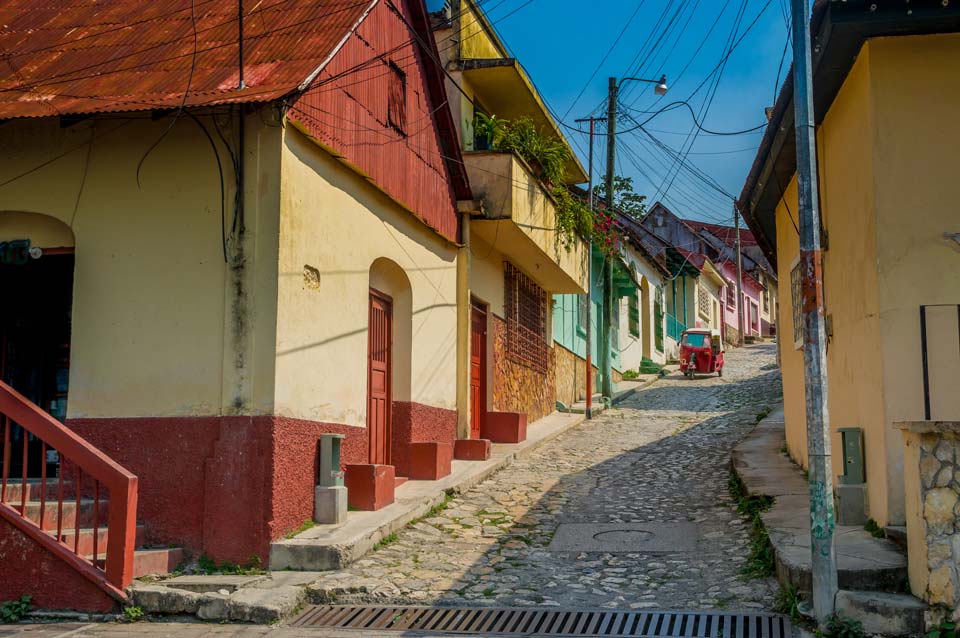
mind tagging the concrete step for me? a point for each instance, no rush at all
(34, 489)
(883, 613)
(897, 534)
(150, 561)
(85, 548)
(864, 563)
(72, 516)
(399, 480)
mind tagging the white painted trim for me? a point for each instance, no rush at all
(353, 29)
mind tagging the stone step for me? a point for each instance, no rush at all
(883, 613)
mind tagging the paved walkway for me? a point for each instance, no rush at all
(661, 457)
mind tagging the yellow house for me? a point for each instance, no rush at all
(887, 85)
(513, 258)
(203, 278)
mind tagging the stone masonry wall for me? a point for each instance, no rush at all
(940, 503)
(571, 376)
(518, 387)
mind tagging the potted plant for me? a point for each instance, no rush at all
(487, 131)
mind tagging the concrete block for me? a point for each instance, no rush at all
(213, 583)
(883, 613)
(430, 461)
(505, 427)
(330, 504)
(471, 449)
(370, 487)
(852, 504)
(156, 599)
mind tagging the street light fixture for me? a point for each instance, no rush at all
(660, 86)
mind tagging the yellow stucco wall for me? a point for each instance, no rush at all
(509, 190)
(888, 196)
(475, 42)
(150, 283)
(336, 225)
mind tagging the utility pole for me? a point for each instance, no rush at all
(606, 365)
(824, 562)
(589, 357)
(591, 202)
(736, 225)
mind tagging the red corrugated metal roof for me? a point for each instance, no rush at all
(84, 56)
(726, 234)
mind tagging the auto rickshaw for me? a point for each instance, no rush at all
(701, 351)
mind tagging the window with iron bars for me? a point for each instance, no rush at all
(703, 302)
(525, 304)
(796, 299)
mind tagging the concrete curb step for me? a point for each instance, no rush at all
(872, 572)
(253, 604)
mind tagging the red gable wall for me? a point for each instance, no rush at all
(345, 108)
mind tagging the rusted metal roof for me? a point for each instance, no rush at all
(84, 56)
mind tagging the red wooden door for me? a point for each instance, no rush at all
(379, 402)
(478, 369)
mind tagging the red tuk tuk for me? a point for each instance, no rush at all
(701, 351)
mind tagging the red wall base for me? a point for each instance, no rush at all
(227, 486)
(27, 568)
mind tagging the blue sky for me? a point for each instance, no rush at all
(562, 42)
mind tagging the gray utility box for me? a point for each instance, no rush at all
(330, 496)
(852, 487)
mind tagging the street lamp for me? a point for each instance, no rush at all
(660, 86)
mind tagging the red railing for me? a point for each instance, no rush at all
(78, 501)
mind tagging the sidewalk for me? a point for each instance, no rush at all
(872, 572)
(299, 561)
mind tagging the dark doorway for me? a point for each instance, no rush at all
(35, 344)
(379, 399)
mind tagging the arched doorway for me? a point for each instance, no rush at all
(389, 354)
(36, 284)
(645, 316)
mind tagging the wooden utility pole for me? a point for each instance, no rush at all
(824, 562)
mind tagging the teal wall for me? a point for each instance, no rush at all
(566, 311)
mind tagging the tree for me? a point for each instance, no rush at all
(625, 199)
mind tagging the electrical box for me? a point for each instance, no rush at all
(853, 465)
(330, 473)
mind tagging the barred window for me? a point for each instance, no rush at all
(397, 98)
(731, 297)
(796, 300)
(525, 304)
(766, 300)
(703, 302)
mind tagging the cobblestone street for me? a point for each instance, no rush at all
(662, 456)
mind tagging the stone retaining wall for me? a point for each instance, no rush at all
(932, 483)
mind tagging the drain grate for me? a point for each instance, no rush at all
(541, 622)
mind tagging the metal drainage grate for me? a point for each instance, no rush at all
(541, 622)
